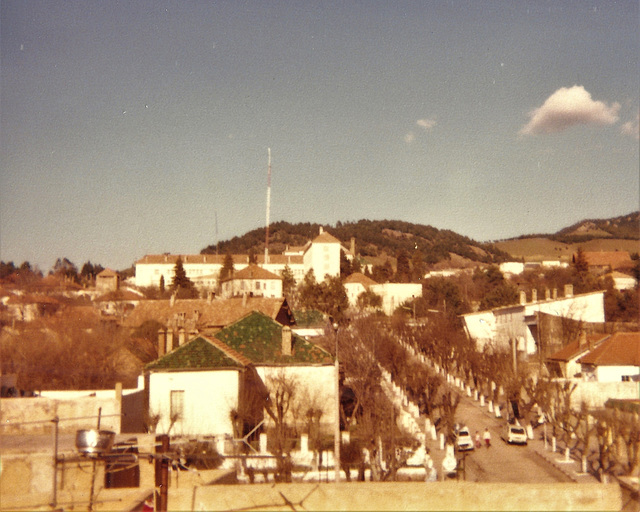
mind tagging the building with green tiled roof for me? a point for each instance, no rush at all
(197, 387)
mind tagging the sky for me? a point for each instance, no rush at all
(143, 127)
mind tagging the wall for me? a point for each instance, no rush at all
(315, 386)
(615, 373)
(208, 399)
(394, 294)
(41, 410)
(401, 496)
(595, 394)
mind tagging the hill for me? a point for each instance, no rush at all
(614, 234)
(375, 240)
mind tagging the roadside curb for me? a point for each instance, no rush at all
(559, 467)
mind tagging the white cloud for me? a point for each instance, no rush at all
(631, 128)
(427, 124)
(567, 107)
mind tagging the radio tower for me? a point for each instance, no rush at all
(266, 240)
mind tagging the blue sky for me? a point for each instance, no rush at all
(128, 127)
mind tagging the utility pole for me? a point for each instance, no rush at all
(162, 472)
(336, 438)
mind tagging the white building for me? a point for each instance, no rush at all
(322, 255)
(356, 284)
(616, 359)
(252, 280)
(500, 326)
(395, 294)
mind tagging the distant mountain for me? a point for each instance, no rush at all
(625, 227)
(373, 239)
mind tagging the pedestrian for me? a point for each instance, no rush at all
(478, 442)
(487, 437)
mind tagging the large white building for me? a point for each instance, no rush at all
(322, 255)
(501, 326)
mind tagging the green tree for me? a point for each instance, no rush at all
(310, 291)
(288, 282)
(443, 294)
(161, 286)
(227, 267)
(181, 283)
(403, 267)
(369, 299)
(65, 268)
(345, 265)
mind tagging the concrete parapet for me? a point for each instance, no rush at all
(401, 496)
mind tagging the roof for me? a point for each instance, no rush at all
(259, 338)
(107, 272)
(200, 353)
(205, 313)
(325, 238)
(575, 349)
(620, 349)
(253, 272)
(216, 259)
(359, 278)
(613, 259)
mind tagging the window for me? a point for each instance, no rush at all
(177, 405)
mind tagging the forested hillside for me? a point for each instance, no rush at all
(372, 238)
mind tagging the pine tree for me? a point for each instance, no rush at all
(180, 279)
(161, 286)
(227, 267)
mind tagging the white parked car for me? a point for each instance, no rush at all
(516, 434)
(463, 439)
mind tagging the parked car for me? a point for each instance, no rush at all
(464, 440)
(516, 434)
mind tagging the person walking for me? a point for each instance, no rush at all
(478, 441)
(487, 437)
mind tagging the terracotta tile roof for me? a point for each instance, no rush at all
(613, 259)
(259, 338)
(325, 238)
(107, 272)
(252, 272)
(200, 353)
(621, 349)
(206, 314)
(359, 277)
(217, 259)
(574, 349)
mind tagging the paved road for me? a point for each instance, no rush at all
(501, 462)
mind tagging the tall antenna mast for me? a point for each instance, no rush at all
(216, 212)
(266, 241)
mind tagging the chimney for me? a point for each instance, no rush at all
(568, 290)
(244, 300)
(353, 245)
(555, 294)
(547, 294)
(582, 338)
(170, 339)
(162, 344)
(321, 230)
(286, 340)
(523, 297)
(172, 300)
(534, 295)
(181, 336)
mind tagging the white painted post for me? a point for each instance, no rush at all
(553, 444)
(434, 434)
(529, 431)
(490, 405)
(304, 444)
(441, 444)
(346, 437)
(468, 390)
(481, 400)
(498, 414)
(475, 395)
(584, 464)
(427, 424)
(567, 457)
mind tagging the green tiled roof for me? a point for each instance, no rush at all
(197, 354)
(259, 338)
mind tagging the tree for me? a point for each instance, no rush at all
(288, 282)
(90, 271)
(227, 267)
(403, 267)
(345, 265)
(382, 274)
(368, 299)
(180, 283)
(253, 258)
(418, 267)
(161, 285)
(64, 268)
